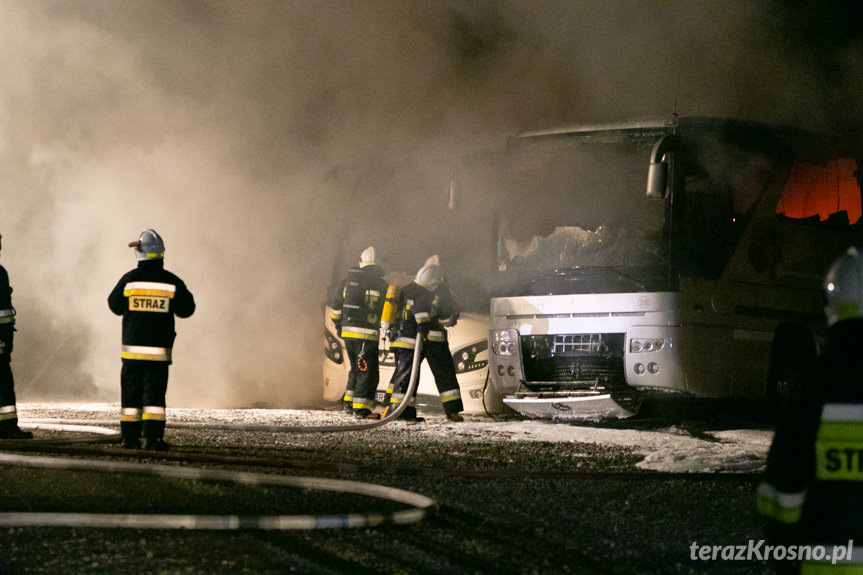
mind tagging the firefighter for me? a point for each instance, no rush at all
(812, 490)
(428, 308)
(148, 298)
(8, 411)
(356, 314)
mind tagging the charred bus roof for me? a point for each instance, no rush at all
(648, 124)
(775, 137)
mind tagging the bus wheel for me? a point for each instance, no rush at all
(793, 350)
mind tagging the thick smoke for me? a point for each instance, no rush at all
(241, 130)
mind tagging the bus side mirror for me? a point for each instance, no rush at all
(657, 172)
(657, 180)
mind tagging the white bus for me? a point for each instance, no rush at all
(706, 281)
(683, 256)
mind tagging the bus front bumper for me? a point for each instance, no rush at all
(575, 406)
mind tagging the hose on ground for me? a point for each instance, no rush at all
(391, 416)
(421, 506)
(102, 434)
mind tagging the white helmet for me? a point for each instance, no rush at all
(430, 276)
(844, 287)
(367, 258)
(433, 261)
(149, 246)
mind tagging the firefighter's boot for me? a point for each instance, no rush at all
(156, 444)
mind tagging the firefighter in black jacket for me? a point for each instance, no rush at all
(8, 410)
(426, 307)
(812, 491)
(356, 314)
(148, 298)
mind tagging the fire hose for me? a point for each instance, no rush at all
(390, 417)
(422, 506)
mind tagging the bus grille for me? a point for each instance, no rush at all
(573, 361)
(576, 344)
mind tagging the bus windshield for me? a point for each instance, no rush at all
(574, 217)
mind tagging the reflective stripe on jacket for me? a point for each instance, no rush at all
(839, 444)
(145, 353)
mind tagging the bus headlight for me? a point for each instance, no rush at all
(332, 348)
(648, 344)
(471, 357)
(504, 341)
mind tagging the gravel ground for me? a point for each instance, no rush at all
(514, 497)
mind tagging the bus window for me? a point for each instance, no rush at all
(719, 193)
(822, 193)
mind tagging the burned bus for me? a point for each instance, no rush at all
(706, 281)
